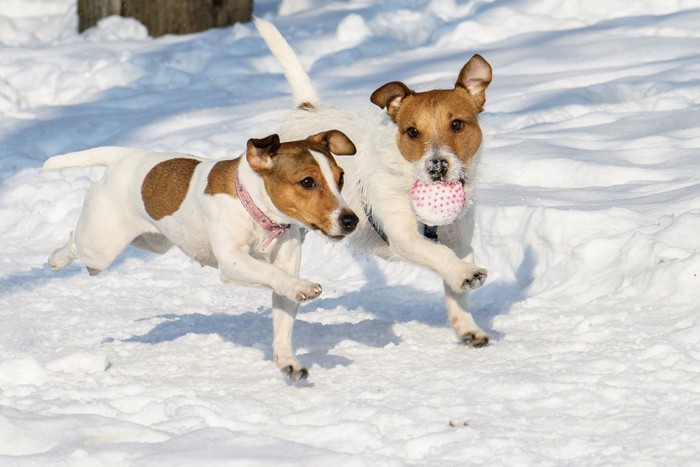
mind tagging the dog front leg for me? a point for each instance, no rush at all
(286, 256)
(458, 237)
(284, 312)
(462, 320)
(460, 275)
(236, 265)
(242, 268)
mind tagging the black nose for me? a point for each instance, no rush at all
(437, 169)
(349, 222)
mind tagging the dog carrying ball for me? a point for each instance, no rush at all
(437, 203)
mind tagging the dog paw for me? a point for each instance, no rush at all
(475, 339)
(463, 276)
(295, 375)
(305, 290)
(474, 280)
(57, 263)
(290, 366)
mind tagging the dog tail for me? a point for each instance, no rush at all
(97, 156)
(303, 91)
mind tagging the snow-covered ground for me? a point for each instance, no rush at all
(588, 222)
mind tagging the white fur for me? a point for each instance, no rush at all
(214, 230)
(379, 179)
(304, 92)
(327, 173)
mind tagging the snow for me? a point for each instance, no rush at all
(588, 213)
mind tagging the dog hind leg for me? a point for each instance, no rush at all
(99, 243)
(153, 242)
(106, 227)
(62, 257)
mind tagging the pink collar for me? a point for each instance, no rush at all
(263, 221)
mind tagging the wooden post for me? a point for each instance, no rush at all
(168, 16)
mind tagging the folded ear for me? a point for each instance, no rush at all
(390, 96)
(259, 152)
(335, 141)
(475, 77)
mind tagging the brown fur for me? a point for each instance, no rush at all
(426, 118)
(292, 163)
(221, 179)
(432, 114)
(165, 186)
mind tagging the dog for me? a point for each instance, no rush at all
(242, 216)
(432, 135)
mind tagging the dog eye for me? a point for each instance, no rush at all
(308, 183)
(457, 125)
(412, 132)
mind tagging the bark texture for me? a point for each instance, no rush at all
(168, 16)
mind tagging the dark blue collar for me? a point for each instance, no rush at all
(429, 231)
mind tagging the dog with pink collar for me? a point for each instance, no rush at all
(242, 216)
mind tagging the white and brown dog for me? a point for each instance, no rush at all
(241, 216)
(433, 135)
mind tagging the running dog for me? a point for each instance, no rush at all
(242, 216)
(430, 136)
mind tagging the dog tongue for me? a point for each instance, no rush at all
(437, 203)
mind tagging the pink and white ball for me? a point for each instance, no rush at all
(437, 203)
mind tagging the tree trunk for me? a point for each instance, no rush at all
(91, 11)
(168, 16)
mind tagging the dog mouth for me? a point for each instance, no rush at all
(341, 227)
(330, 236)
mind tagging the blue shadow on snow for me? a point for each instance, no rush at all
(254, 329)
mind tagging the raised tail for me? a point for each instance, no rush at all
(97, 156)
(303, 91)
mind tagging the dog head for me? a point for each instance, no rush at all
(438, 130)
(304, 181)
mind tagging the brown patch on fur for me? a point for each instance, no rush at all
(306, 106)
(431, 113)
(334, 141)
(165, 186)
(389, 97)
(221, 179)
(475, 77)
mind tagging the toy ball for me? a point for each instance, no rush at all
(437, 203)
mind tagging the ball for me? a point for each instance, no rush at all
(437, 203)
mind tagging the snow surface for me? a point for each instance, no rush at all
(588, 216)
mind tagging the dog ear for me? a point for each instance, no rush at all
(390, 96)
(259, 152)
(475, 77)
(335, 141)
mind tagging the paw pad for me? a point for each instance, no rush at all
(297, 375)
(471, 339)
